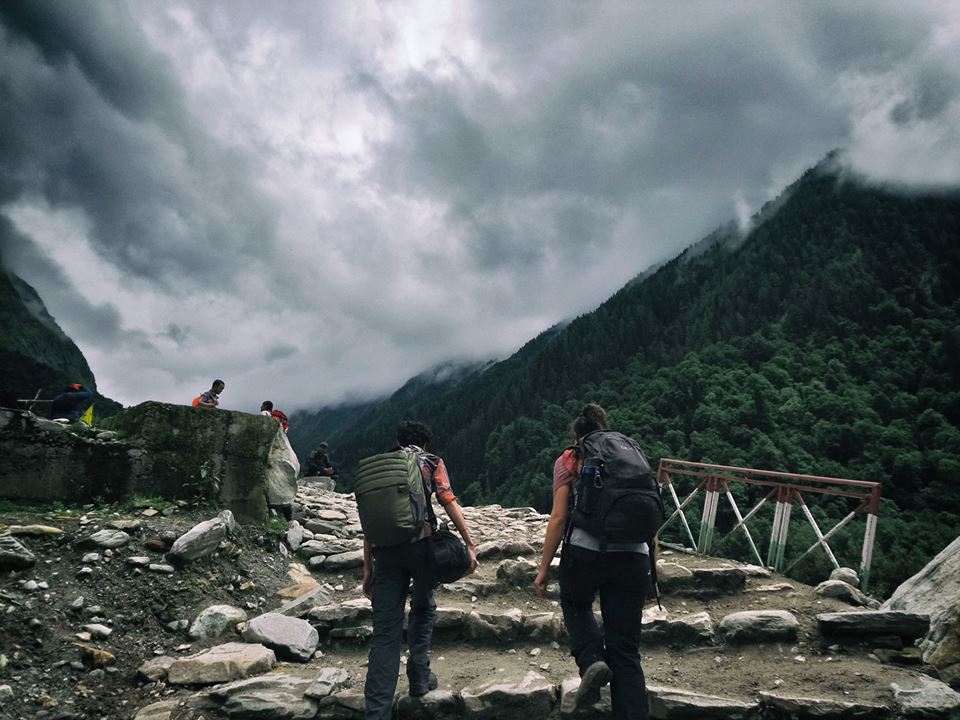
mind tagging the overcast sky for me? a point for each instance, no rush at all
(318, 200)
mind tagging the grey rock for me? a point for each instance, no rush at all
(713, 582)
(435, 705)
(282, 470)
(277, 696)
(449, 619)
(90, 558)
(6, 693)
(215, 620)
(291, 638)
(685, 705)
(155, 669)
(517, 572)
(342, 705)
(696, 629)
(344, 561)
(489, 549)
(299, 606)
(322, 527)
(568, 702)
(359, 632)
(673, 577)
(935, 591)
(14, 555)
(157, 711)
(814, 708)
(870, 623)
(930, 699)
(121, 524)
(138, 561)
(294, 535)
(543, 626)
(220, 664)
(108, 539)
(847, 593)
(847, 575)
(759, 626)
(532, 697)
(330, 617)
(503, 627)
(98, 631)
(312, 548)
(328, 681)
(161, 568)
(202, 539)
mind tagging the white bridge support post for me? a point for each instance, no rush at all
(781, 526)
(709, 518)
(866, 557)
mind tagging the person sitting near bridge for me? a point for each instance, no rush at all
(318, 464)
(71, 403)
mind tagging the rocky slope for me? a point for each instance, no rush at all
(35, 354)
(172, 611)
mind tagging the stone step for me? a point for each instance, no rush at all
(326, 694)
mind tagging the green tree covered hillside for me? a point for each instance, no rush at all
(823, 341)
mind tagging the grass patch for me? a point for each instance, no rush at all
(276, 525)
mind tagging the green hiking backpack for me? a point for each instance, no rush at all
(391, 499)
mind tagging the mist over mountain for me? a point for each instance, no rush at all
(820, 337)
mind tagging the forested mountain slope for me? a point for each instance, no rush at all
(825, 341)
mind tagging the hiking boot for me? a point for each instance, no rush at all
(594, 677)
(432, 684)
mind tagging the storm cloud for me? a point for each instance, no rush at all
(319, 200)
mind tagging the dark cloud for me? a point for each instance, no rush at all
(96, 121)
(358, 191)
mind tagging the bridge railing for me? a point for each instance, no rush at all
(784, 490)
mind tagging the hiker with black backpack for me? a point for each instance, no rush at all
(606, 511)
(403, 542)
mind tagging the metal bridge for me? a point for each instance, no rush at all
(786, 490)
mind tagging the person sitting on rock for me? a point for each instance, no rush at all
(318, 464)
(387, 572)
(210, 398)
(266, 408)
(71, 403)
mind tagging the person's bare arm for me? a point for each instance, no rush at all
(556, 526)
(367, 569)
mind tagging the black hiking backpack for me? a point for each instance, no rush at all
(616, 498)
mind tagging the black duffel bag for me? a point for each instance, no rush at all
(449, 559)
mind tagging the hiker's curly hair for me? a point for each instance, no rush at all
(411, 432)
(591, 418)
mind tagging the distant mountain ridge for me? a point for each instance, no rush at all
(35, 353)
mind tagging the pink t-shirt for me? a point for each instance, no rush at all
(565, 469)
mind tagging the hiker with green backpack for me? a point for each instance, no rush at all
(403, 542)
(607, 512)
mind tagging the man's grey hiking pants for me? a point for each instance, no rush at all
(393, 568)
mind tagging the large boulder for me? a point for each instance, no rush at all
(14, 555)
(281, 471)
(290, 638)
(237, 460)
(935, 591)
(202, 539)
(220, 664)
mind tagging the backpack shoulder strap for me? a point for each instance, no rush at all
(427, 489)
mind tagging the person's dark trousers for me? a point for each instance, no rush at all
(621, 579)
(393, 568)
